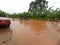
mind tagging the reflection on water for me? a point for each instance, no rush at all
(5, 35)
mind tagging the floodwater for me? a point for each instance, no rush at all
(32, 32)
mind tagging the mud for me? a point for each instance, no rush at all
(31, 32)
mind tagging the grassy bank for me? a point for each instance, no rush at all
(45, 14)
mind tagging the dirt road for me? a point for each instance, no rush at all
(32, 32)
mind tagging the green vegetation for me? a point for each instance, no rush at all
(2, 13)
(49, 14)
(45, 14)
(38, 5)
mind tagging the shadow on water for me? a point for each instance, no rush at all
(5, 35)
(3, 27)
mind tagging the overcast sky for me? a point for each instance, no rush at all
(54, 3)
(17, 6)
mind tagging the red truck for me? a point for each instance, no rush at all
(5, 21)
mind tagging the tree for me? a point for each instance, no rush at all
(38, 5)
(2, 13)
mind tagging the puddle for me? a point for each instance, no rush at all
(31, 32)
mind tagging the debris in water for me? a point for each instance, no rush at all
(4, 42)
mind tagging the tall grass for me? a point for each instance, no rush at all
(45, 14)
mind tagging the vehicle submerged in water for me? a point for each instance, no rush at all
(4, 22)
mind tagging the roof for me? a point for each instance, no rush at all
(4, 18)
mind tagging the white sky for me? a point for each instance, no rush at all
(17, 6)
(54, 3)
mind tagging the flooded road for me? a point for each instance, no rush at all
(32, 32)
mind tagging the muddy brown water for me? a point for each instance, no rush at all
(32, 32)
